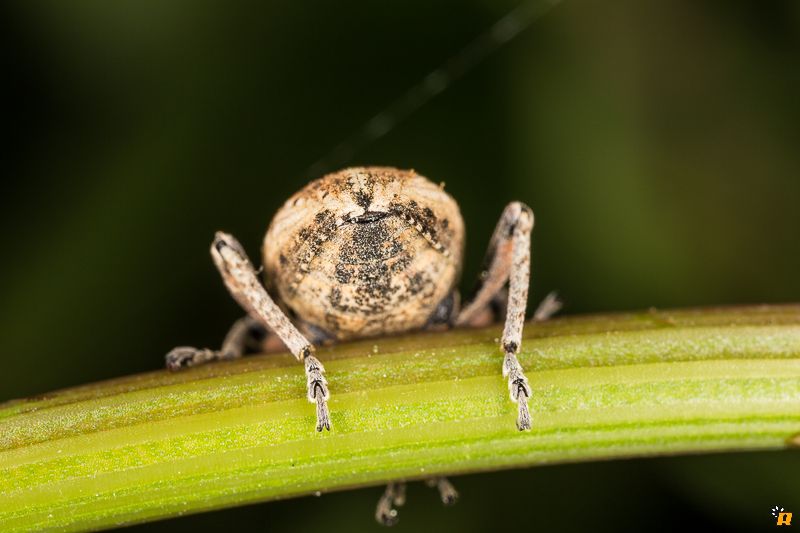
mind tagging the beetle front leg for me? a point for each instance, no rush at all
(521, 221)
(508, 260)
(242, 281)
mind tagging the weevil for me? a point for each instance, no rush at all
(372, 251)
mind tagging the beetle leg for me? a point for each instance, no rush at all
(243, 332)
(393, 496)
(547, 307)
(242, 281)
(447, 492)
(508, 261)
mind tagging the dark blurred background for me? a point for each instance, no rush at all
(657, 142)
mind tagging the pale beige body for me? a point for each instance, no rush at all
(365, 251)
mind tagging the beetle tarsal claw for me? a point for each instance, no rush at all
(519, 390)
(184, 356)
(323, 416)
(318, 391)
(524, 415)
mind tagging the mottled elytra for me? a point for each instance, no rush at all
(365, 252)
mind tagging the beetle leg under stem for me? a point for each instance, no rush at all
(508, 260)
(394, 496)
(447, 492)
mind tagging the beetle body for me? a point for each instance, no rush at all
(372, 251)
(365, 251)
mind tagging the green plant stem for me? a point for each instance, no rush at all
(162, 444)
